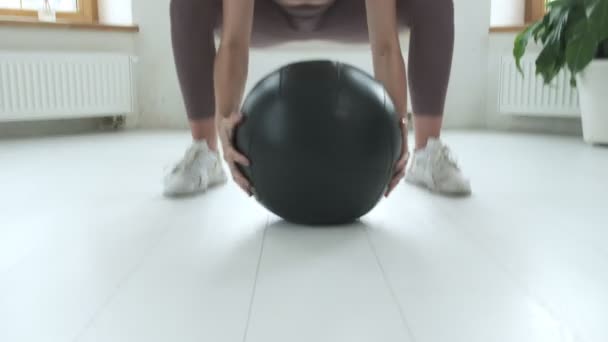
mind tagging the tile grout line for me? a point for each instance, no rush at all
(119, 284)
(526, 288)
(255, 281)
(389, 286)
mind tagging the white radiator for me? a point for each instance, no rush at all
(529, 95)
(45, 85)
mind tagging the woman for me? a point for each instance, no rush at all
(213, 82)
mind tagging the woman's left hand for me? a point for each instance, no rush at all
(399, 172)
(226, 128)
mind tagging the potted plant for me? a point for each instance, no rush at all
(574, 35)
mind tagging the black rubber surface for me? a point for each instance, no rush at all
(323, 138)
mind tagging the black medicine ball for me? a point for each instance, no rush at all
(322, 138)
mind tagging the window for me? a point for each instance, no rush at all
(535, 9)
(68, 10)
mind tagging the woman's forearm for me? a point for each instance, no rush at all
(389, 69)
(230, 75)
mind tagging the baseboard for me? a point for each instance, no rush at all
(533, 124)
(26, 129)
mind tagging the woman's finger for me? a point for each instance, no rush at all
(402, 162)
(236, 118)
(244, 185)
(237, 176)
(391, 187)
(398, 176)
(241, 180)
(239, 158)
(395, 181)
(234, 170)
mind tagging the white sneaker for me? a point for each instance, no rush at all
(435, 168)
(199, 170)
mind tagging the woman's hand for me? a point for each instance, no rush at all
(226, 127)
(399, 172)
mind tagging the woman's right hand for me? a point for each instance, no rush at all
(226, 128)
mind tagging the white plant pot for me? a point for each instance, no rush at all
(592, 86)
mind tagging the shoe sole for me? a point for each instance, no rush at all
(201, 191)
(424, 186)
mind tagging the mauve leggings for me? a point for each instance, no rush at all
(431, 23)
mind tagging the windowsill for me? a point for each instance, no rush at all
(507, 29)
(23, 22)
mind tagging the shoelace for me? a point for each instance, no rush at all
(188, 159)
(446, 157)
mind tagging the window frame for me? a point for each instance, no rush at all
(87, 13)
(535, 10)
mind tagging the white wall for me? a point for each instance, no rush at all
(466, 104)
(160, 100)
(60, 39)
(501, 44)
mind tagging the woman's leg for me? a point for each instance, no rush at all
(192, 28)
(430, 62)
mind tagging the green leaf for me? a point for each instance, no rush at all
(603, 50)
(575, 16)
(559, 29)
(555, 21)
(548, 62)
(562, 3)
(557, 13)
(569, 32)
(539, 30)
(590, 5)
(521, 43)
(598, 18)
(547, 29)
(581, 47)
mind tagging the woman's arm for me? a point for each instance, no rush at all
(389, 67)
(229, 77)
(232, 59)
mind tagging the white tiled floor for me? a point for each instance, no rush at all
(90, 251)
